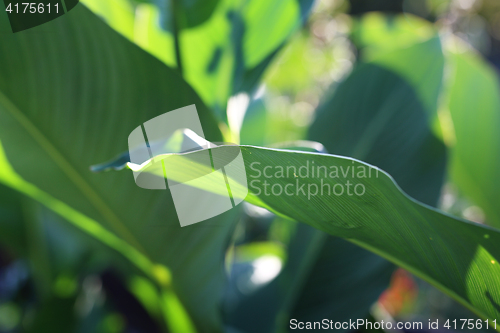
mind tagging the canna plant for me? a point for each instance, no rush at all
(73, 89)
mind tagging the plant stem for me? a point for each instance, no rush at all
(176, 31)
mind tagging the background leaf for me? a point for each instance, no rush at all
(471, 118)
(227, 53)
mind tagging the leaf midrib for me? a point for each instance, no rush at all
(78, 180)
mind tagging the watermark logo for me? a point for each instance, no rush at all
(25, 14)
(170, 151)
(310, 180)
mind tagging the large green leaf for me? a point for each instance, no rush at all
(71, 91)
(457, 256)
(472, 118)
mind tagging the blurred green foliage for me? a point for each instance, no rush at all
(408, 89)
